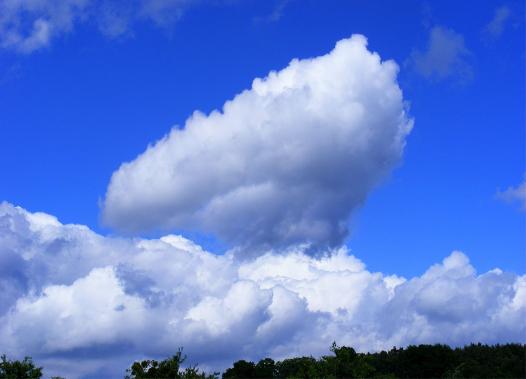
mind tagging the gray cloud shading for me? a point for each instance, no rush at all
(83, 304)
(283, 163)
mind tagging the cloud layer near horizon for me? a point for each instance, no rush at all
(81, 303)
(283, 163)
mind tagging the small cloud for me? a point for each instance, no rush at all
(29, 26)
(277, 12)
(114, 21)
(514, 194)
(495, 27)
(38, 38)
(444, 57)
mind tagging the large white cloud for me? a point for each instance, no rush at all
(282, 163)
(84, 304)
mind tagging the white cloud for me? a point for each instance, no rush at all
(445, 56)
(30, 25)
(514, 194)
(93, 310)
(282, 163)
(83, 304)
(495, 27)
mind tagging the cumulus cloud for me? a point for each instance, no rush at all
(30, 25)
(83, 304)
(495, 27)
(445, 56)
(284, 162)
(514, 195)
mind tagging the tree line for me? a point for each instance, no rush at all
(422, 361)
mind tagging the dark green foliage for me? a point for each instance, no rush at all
(167, 369)
(483, 361)
(266, 368)
(304, 367)
(24, 369)
(241, 369)
(346, 363)
(423, 361)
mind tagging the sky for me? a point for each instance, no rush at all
(169, 161)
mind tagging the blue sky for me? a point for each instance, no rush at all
(73, 110)
(418, 173)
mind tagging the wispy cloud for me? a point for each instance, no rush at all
(445, 56)
(514, 195)
(26, 26)
(495, 27)
(30, 25)
(277, 12)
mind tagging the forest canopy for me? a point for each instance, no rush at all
(422, 361)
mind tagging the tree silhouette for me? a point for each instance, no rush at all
(422, 361)
(166, 369)
(24, 369)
